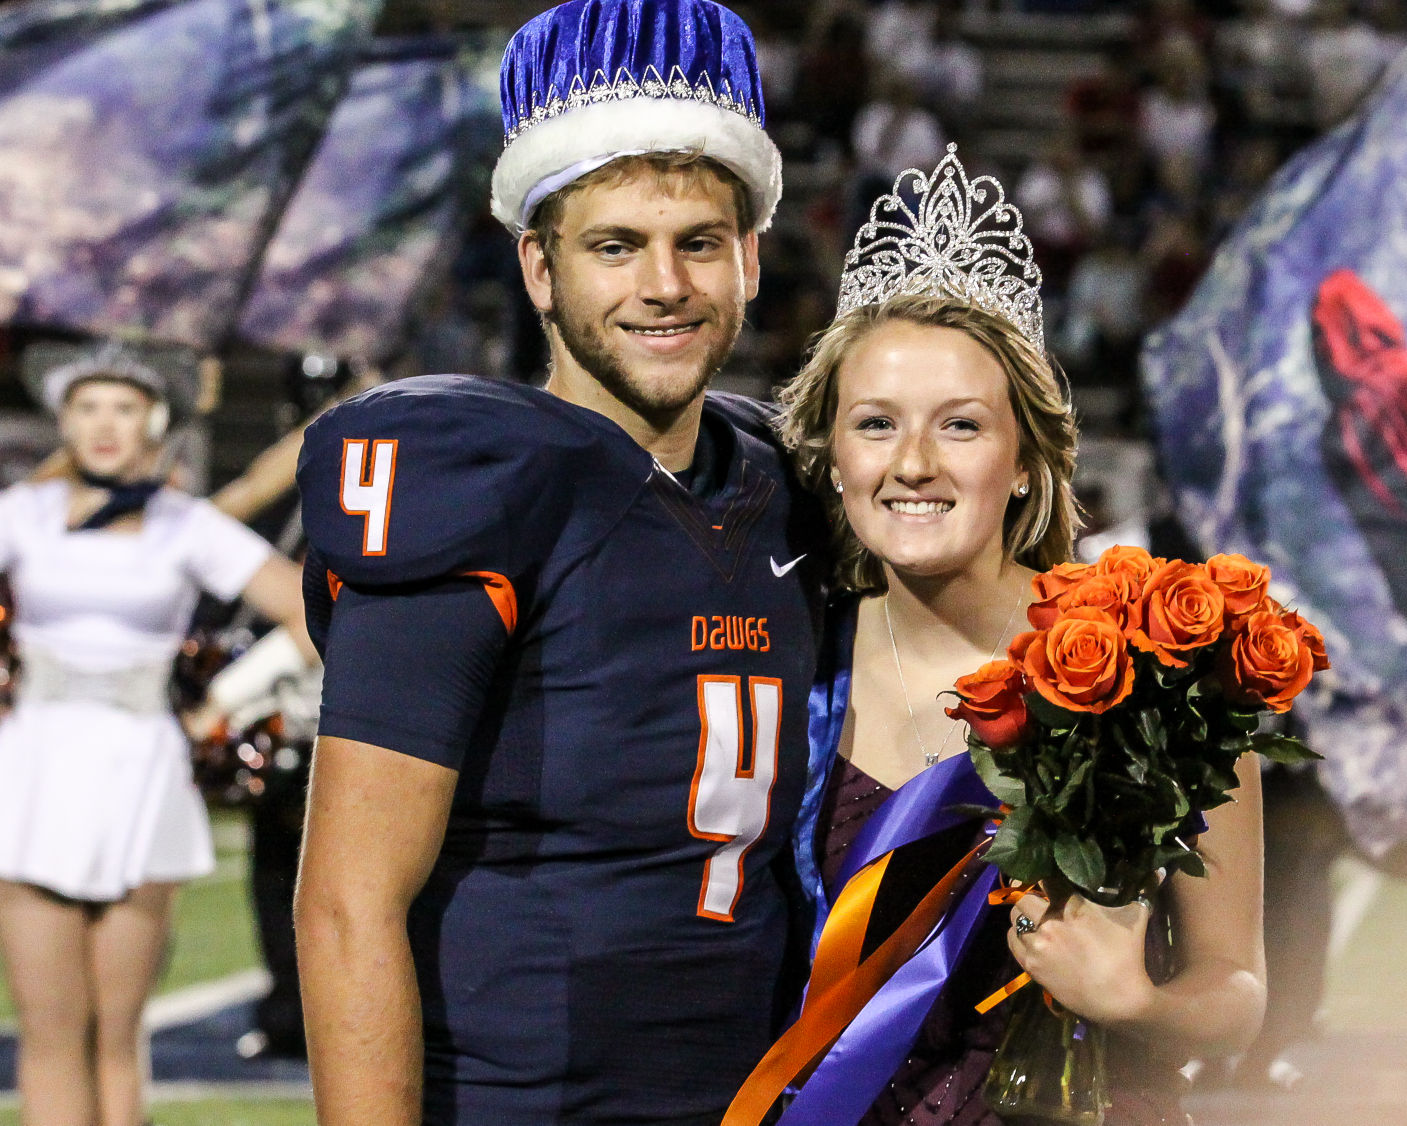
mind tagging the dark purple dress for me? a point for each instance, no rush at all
(941, 1082)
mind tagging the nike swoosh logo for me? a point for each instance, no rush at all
(779, 571)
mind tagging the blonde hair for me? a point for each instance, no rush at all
(1039, 530)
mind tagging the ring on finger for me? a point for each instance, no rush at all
(1025, 925)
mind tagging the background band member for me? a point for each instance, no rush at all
(99, 821)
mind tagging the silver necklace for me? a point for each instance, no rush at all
(930, 759)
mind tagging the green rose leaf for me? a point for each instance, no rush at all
(1072, 785)
(1007, 790)
(1080, 861)
(1150, 729)
(1050, 715)
(1282, 748)
(1019, 851)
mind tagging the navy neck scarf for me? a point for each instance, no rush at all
(124, 498)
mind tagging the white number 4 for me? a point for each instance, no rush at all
(368, 495)
(731, 797)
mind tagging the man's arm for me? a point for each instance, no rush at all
(376, 820)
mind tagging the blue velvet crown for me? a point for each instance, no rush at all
(629, 76)
(587, 51)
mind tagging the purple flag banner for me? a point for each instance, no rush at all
(409, 144)
(147, 148)
(1279, 403)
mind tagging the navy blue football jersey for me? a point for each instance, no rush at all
(618, 668)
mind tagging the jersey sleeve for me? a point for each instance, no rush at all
(223, 554)
(408, 668)
(436, 476)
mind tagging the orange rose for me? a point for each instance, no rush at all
(1183, 609)
(1310, 636)
(1267, 663)
(1135, 562)
(1047, 589)
(993, 704)
(1116, 593)
(1081, 663)
(1242, 582)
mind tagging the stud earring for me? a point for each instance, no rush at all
(838, 486)
(1022, 489)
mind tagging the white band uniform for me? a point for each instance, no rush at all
(140, 689)
(97, 796)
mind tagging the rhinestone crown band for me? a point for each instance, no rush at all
(625, 85)
(944, 234)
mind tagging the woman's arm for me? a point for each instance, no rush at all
(276, 591)
(1091, 957)
(268, 477)
(272, 472)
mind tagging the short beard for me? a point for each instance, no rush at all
(658, 405)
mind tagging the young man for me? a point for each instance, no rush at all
(569, 636)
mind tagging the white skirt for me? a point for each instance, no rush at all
(95, 801)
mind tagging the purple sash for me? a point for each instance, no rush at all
(877, 1041)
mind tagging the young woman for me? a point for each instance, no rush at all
(945, 446)
(99, 821)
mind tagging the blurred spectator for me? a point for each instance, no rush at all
(1176, 253)
(950, 76)
(832, 78)
(1066, 203)
(894, 26)
(893, 132)
(778, 58)
(1176, 117)
(1102, 108)
(1158, 21)
(1105, 313)
(1293, 9)
(1260, 65)
(1249, 161)
(1344, 55)
(447, 339)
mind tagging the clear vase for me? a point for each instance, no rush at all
(1050, 1066)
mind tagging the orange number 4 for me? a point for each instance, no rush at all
(366, 490)
(731, 798)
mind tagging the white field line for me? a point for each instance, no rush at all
(195, 1002)
(187, 1092)
(1355, 898)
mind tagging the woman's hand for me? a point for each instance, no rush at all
(1089, 957)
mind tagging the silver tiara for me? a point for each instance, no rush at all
(651, 84)
(943, 234)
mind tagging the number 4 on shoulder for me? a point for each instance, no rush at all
(731, 798)
(366, 488)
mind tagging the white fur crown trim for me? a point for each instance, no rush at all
(592, 135)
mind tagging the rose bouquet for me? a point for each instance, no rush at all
(1116, 722)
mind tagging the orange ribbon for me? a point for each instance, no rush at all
(842, 983)
(1000, 897)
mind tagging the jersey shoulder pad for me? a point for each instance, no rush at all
(753, 417)
(440, 475)
(754, 425)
